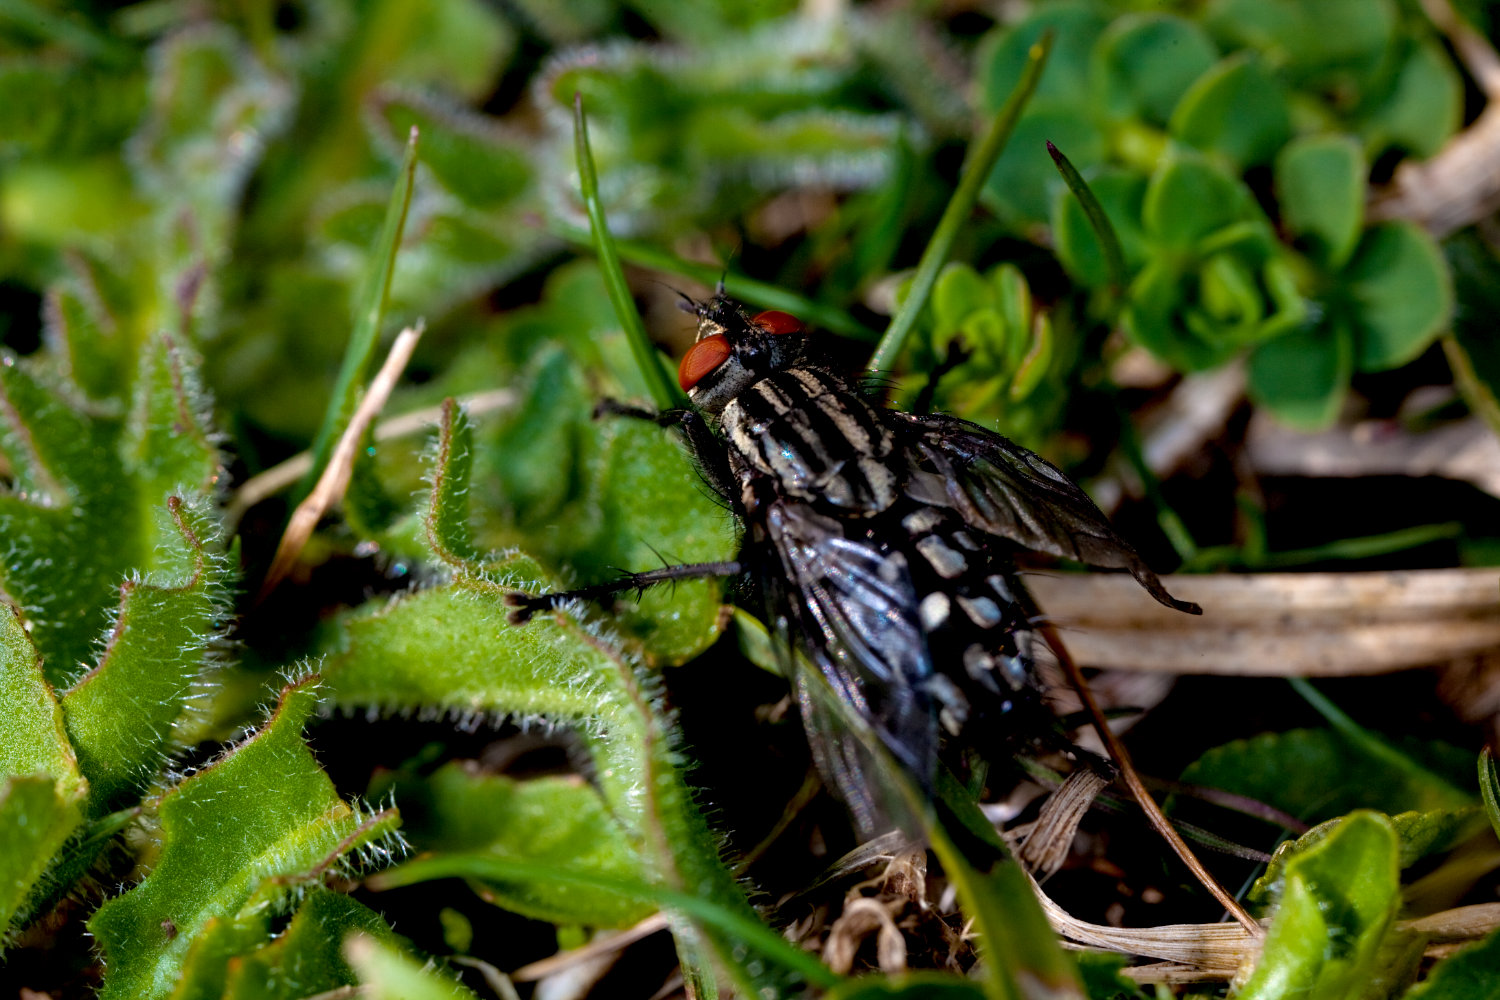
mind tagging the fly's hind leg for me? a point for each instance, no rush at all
(525, 606)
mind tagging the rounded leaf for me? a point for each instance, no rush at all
(1320, 185)
(1018, 188)
(1237, 109)
(1401, 295)
(1074, 25)
(1144, 63)
(1303, 377)
(1188, 199)
(1424, 106)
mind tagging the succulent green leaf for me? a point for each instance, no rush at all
(958, 292)
(387, 974)
(1319, 44)
(1472, 972)
(1143, 63)
(1418, 834)
(248, 830)
(558, 823)
(1303, 377)
(1121, 194)
(1400, 293)
(1339, 900)
(1189, 199)
(1021, 185)
(1316, 774)
(120, 715)
(1075, 26)
(1238, 110)
(41, 789)
(1320, 186)
(307, 958)
(1424, 106)
(1155, 318)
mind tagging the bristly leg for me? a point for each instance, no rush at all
(956, 355)
(526, 606)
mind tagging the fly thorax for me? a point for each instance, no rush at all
(817, 440)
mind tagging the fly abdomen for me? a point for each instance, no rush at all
(975, 627)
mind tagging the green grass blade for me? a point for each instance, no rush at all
(371, 310)
(1114, 258)
(664, 392)
(981, 161)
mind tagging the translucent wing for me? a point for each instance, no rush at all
(846, 611)
(1005, 490)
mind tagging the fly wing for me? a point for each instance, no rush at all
(1003, 489)
(864, 659)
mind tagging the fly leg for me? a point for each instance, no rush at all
(524, 606)
(957, 354)
(707, 449)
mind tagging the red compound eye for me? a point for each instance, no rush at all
(774, 321)
(702, 358)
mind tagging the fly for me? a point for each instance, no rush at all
(877, 544)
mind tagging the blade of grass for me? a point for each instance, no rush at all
(1489, 788)
(664, 392)
(754, 935)
(971, 181)
(370, 306)
(1114, 259)
(758, 293)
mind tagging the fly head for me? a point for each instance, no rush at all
(735, 350)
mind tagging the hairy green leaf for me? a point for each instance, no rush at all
(250, 830)
(555, 823)
(387, 974)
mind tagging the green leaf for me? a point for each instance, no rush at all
(1424, 106)
(1319, 43)
(1320, 186)
(1400, 293)
(387, 974)
(1188, 199)
(1315, 774)
(482, 165)
(1303, 377)
(1339, 899)
(1489, 788)
(448, 532)
(88, 504)
(1075, 26)
(245, 832)
(1144, 62)
(120, 715)
(1419, 835)
(1020, 188)
(1237, 110)
(1467, 974)
(555, 823)
(307, 958)
(41, 790)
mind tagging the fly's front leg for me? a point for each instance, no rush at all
(525, 606)
(706, 447)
